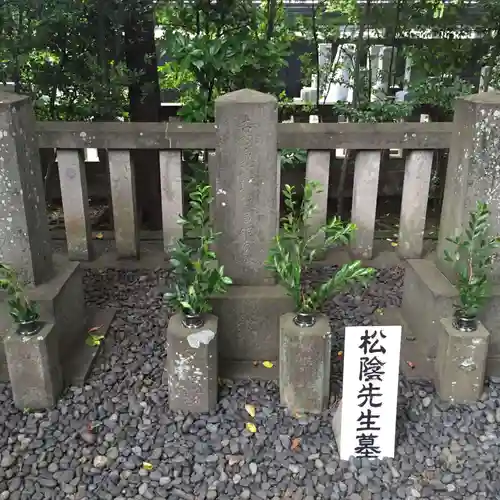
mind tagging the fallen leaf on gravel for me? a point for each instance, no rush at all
(295, 444)
(251, 427)
(268, 364)
(147, 466)
(250, 410)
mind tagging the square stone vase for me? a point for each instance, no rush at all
(305, 357)
(34, 367)
(461, 362)
(192, 365)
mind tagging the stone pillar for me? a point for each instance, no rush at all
(246, 198)
(24, 231)
(245, 178)
(473, 170)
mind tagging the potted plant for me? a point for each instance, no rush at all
(194, 264)
(472, 260)
(296, 247)
(23, 311)
(307, 330)
(192, 330)
(463, 341)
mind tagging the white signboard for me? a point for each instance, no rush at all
(370, 391)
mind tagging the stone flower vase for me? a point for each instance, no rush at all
(463, 322)
(305, 354)
(461, 357)
(29, 328)
(192, 363)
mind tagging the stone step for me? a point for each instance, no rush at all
(78, 368)
(5, 327)
(415, 365)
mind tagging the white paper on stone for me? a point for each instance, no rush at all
(375, 439)
(201, 337)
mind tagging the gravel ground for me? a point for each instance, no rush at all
(442, 452)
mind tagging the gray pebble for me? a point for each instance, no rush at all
(100, 461)
(212, 456)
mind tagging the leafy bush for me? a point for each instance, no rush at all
(293, 158)
(472, 261)
(21, 308)
(194, 265)
(295, 249)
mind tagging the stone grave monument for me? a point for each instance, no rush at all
(245, 177)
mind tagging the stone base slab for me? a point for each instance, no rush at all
(305, 364)
(34, 368)
(61, 303)
(192, 368)
(254, 370)
(461, 363)
(337, 423)
(249, 322)
(5, 328)
(428, 296)
(414, 363)
(77, 368)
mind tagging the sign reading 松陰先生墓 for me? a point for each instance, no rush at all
(370, 391)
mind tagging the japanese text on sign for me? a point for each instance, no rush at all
(369, 402)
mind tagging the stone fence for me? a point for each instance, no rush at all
(419, 140)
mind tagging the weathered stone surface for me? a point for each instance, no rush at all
(428, 296)
(461, 363)
(34, 368)
(337, 423)
(62, 302)
(305, 355)
(473, 170)
(75, 198)
(246, 179)
(490, 317)
(249, 322)
(123, 195)
(414, 203)
(472, 175)
(364, 202)
(5, 329)
(191, 367)
(55, 284)
(24, 230)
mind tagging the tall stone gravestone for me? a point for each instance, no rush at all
(245, 177)
(35, 365)
(473, 174)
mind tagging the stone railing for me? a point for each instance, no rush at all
(419, 140)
